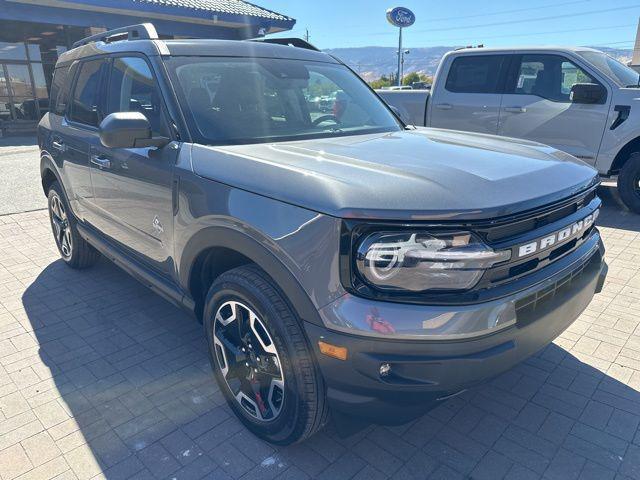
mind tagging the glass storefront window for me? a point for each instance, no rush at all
(4, 84)
(26, 109)
(34, 52)
(12, 51)
(20, 80)
(39, 82)
(5, 109)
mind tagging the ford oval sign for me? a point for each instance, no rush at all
(400, 17)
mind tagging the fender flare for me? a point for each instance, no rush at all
(256, 251)
(47, 163)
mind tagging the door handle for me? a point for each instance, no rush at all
(58, 145)
(444, 106)
(515, 109)
(100, 161)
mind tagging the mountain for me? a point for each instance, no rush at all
(373, 62)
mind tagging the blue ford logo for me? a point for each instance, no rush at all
(400, 17)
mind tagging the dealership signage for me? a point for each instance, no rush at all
(400, 17)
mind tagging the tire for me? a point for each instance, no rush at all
(295, 406)
(629, 183)
(74, 250)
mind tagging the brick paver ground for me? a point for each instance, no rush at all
(100, 378)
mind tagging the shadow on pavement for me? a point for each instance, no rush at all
(133, 373)
(615, 213)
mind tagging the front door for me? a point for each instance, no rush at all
(133, 186)
(470, 97)
(536, 106)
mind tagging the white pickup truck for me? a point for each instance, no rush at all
(578, 100)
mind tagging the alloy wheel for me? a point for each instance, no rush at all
(61, 226)
(248, 360)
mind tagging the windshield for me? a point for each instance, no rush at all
(621, 74)
(252, 100)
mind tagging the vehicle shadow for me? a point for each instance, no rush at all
(132, 394)
(615, 213)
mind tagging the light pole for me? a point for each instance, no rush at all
(400, 17)
(405, 52)
(400, 59)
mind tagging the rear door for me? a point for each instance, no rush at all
(78, 133)
(536, 105)
(133, 186)
(469, 98)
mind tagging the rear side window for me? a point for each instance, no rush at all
(86, 95)
(475, 74)
(60, 90)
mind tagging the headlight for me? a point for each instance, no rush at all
(418, 261)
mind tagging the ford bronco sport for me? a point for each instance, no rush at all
(337, 259)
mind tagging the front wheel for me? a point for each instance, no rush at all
(74, 249)
(629, 183)
(261, 359)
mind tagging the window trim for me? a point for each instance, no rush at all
(516, 62)
(502, 73)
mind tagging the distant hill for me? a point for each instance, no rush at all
(373, 62)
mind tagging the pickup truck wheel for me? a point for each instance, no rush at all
(261, 359)
(629, 183)
(74, 249)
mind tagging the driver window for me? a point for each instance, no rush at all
(549, 76)
(132, 88)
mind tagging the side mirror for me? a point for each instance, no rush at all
(128, 130)
(588, 93)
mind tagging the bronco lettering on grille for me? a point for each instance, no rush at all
(557, 237)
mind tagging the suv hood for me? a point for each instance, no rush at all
(409, 175)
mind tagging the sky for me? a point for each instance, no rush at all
(357, 23)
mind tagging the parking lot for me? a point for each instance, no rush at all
(100, 378)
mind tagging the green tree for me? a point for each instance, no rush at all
(409, 78)
(383, 81)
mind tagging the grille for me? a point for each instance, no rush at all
(525, 230)
(539, 219)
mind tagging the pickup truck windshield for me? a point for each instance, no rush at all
(253, 100)
(620, 73)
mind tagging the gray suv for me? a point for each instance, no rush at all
(337, 258)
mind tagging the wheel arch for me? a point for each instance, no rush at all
(623, 155)
(214, 250)
(48, 173)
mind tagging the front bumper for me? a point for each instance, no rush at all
(425, 371)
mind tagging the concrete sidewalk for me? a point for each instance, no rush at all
(20, 189)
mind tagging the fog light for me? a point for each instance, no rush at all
(385, 369)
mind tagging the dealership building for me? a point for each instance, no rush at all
(34, 32)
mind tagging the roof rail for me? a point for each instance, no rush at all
(292, 42)
(143, 31)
